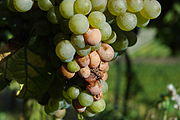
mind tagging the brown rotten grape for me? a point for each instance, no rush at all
(85, 72)
(106, 52)
(94, 59)
(83, 61)
(65, 72)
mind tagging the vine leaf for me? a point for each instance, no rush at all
(33, 67)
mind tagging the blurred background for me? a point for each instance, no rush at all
(136, 80)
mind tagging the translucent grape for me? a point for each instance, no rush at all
(127, 21)
(66, 8)
(99, 5)
(141, 21)
(112, 38)
(45, 4)
(65, 50)
(96, 18)
(106, 30)
(117, 7)
(85, 99)
(98, 106)
(134, 5)
(82, 6)
(23, 5)
(85, 51)
(73, 92)
(151, 9)
(79, 24)
(73, 66)
(78, 41)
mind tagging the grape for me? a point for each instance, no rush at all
(132, 38)
(73, 92)
(104, 86)
(99, 5)
(73, 66)
(96, 47)
(106, 52)
(67, 98)
(106, 30)
(127, 21)
(51, 15)
(66, 8)
(60, 114)
(85, 72)
(141, 21)
(83, 61)
(67, 60)
(10, 5)
(98, 106)
(117, 7)
(92, 36)
(82, 6)
(85, 99)
(23, 5)
(151, 9)
(94, 59)
(79, 24)
(134, 5)
(65, 72)
(53, 104)
(65, 50)
(112, 38)
(88, 114)
(96, 18)
(45, 4)
(121, 43)
(109, 17)
(85, 51)
(78, 41)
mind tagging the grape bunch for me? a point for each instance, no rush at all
(93, 33)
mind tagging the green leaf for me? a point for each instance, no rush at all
(34, 66)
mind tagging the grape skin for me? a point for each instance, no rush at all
(99, 5)
(96, 18)
(79, 24)
(82, 6)
(106, 30)
(117, 7)
(66, 8)
(45, 4)
(141, 21)
(23, 5)
(151, 9)
(127, 21)
(134, 5)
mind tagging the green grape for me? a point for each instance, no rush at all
(127, 21)
(65, 50)
(96, 47)
(151, 9)
(23, 5)
(82, 6)
(98, 106)
(104, 86)
(59, 37)
(51, 15)
(84, 51)
(53, 104)
(121, 43)
(106, 30)
(96, 18)
(73, 66)
(45, 4)
(85, 99)
(66, 8)
(141, 21)
(66, 97)
(134, 5)
(117, 7)
(78, 41)
(88, 114)
(99, 5)
(79, 24)
(68, 60)
(112, 38)
(73, 92)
